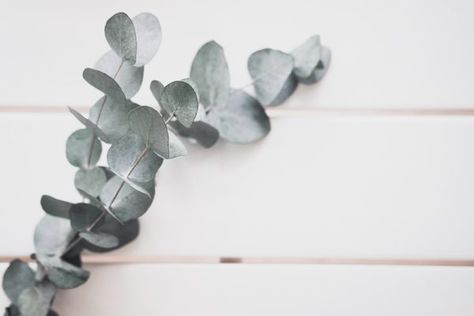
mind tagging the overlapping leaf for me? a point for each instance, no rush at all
(90, 180)
(178, 99)
(201, 132)
(52, 235)
(210, 73)
(62, 274)
(83, 149)
(18, 277)
(121, 36)
(104, 83)
(55, 207)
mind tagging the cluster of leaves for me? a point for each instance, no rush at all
(202, 108)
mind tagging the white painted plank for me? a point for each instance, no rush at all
(270, 290)
(324, 186)
(386, 53)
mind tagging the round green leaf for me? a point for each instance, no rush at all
(201, 132)
(243, 120)
(132, 159)
(33, 302)
(123, 201)
(125, 233)
(52, 235)
(83, 215)
(270, 70)
(211, 74)
(288, 88)
(150, 126)
(62, 274)
(90, 180)
(156, 88)
(148, 34)
(112, 117)
(127, 76)
(121, 36)
(18, 277)
(83, 149)
(102, 240)
(104, 83)
(307, 57)
(55, 207)
(89, 124)
(180, 100)
(320, 69)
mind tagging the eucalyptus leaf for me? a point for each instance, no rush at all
(127, 76)
(179, 100)
(121, 36)
(90, 180)
(177, 148)
(320, 69)
(125, 233)
(83, 149)
(33, 302)
(201, 132)
(102, 240)
(18, 277)
(288, 88)
(125, 202)
(132, 159)
(111, 117)
(210, 73)
(243, 120)
(12, 310)
(104, 83)
(62, 274)
(270, 70)
(150, 126)
(307, 57)
(52, 235)
(55, 207)
(84, 215)
(156, 88)
(148, 36)
(89, 124)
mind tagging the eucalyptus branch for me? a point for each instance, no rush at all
(140, 138)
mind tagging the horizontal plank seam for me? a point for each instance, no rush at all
(120, 259)
(286, 112)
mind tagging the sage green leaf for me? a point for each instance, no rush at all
(180, 100)
(270, 69)
(148, 35)
(288, 88)
(52, 235)
(320, 69)
(84, 215)
(83, 149)
(62, 274)
(210, 73)
(18, 277)
(150, 126)
(123, 201)
(89, 124)
(125, 233)
(201, 132)
(243, 120)
(111, 117)
(104, 83)
(156, 88)
(55, 207)
(121, 36)
(102, 240)
(32, 302)
(90, 180)
(132, 159)
(127, 76)
(177, 148)
(307, 57)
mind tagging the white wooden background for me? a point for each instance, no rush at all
(321, 185)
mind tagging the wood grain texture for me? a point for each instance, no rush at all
(324, 187)
(270, 290)
(385, 54)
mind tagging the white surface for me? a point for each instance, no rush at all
(182, 290)
(319, 186)
(385, 53)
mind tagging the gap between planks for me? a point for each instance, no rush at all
(285, 112)
(119, 259)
